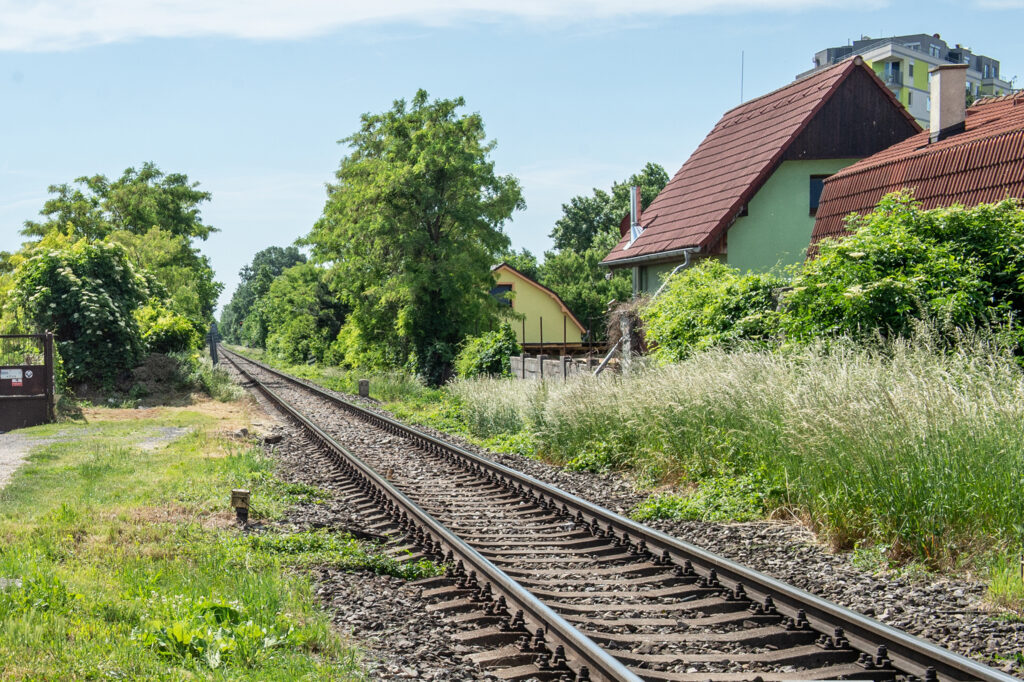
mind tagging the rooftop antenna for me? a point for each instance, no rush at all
(741, 76)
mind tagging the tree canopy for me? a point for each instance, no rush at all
(240, 319)
(140, 199)
(585, 218)
(409, 233)
(583, 236)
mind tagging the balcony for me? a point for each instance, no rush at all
(892, 78)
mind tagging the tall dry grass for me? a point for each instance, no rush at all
(906, 445)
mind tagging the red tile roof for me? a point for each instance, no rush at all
(731, 164)
(984, 163)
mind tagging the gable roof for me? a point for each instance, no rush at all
(736, 158)
(549, 292)
(982, 164)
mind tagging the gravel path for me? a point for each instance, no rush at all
(14, 447)
(949, 612)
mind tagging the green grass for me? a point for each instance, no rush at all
(906, 453)
(407, 398)
(123, 563)
(724, 498)
(908, 448)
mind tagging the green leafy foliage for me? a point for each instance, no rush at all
(140, 199)
(155, 217)
(583, 236)
(242, 321)
(487, 354)
(177, 271)
(302, 314)
(961, 267)
(165, 331)
(410, 229)
(86, 294)
(586, 218)
(710, 304)
(724, 498)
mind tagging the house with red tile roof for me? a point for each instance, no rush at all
(749, 192)
(979, 160)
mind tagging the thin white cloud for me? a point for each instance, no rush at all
(53, 25)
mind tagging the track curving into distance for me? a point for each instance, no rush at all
(561, 588)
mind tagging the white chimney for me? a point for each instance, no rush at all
(635, 208)
(948, 101)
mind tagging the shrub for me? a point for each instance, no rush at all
(85, 293)
(487, 354)
(961, 267)
(165, 331)
(710, 304)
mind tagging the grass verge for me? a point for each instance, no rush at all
(904, 452)
(119, 560)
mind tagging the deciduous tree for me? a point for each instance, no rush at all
(410, 230)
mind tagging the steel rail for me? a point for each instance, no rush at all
(580, 650)
(908, 653)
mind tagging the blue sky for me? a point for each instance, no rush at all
(250, 98)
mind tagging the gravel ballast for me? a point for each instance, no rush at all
(950, 612)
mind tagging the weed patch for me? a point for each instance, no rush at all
(108, 571)
(713, 499)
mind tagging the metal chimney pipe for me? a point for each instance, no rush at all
(948, 100)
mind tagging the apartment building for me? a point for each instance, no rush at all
(903, 63)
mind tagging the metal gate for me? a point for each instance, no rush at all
(26, 380)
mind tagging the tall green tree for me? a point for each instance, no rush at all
(410, 230)
(155, 216)
(583, 236)
(585, 218)
(302, 314)
(241, 320)
(139, 200)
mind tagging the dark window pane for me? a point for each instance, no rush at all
(817, 182)
(501, 292)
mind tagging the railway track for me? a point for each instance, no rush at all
(558, 588)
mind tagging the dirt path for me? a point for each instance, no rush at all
(14, 447)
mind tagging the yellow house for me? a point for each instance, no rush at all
(537, 308)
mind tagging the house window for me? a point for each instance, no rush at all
(910, 97)
(501, 293)
(934, 51)
(910, 69)
(817, 183)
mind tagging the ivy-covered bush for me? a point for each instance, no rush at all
(165, 331)
(487, 354)
(959, 267)
(86, 294)
(710, 304)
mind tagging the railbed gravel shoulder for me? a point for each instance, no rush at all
(949, 612)
(382, 614)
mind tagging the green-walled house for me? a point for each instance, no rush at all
(749, 192)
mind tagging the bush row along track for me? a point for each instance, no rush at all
(559, 588)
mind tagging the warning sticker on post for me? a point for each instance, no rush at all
(12, 374)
